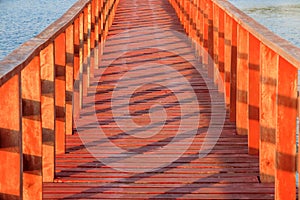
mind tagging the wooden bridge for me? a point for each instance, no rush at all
(80, 115)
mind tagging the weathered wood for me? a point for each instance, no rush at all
(242, 74)
(69, 78)
(268, 113)
(60, 92)
(227, 56)
(48, 112)
(215, 38)
(10, 140)
(233, 72)
(254, 95)
(31, 130)
(285, 176)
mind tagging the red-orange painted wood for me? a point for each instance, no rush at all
(285, 182)
(60, 92)
(48, 111)
(86, 58)
(210, 38)
(216, 43)
(31, 130)
(233, 72)
(10, 140)
(81, 57)
(221, 54)
(69, 78)
(76, 72)
(227, 172)
(254, 95)
(268, 113)
(227, 56)
(242, 74)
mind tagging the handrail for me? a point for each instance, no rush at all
(42, 84)
(259, 71)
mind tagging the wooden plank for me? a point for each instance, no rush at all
(32, 130)
(216, 43)
(60, 92)
(242, 74)
(285, 177)
(69, 78)
(86, 56)
(10, 140)
(254, 94)
(76, 73)
(268, 113)
(48, 112)
(227, 56)
(233, 72)
(221, 55)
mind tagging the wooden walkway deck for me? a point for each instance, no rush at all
(228, 172)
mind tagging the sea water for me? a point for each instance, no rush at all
(21, 20)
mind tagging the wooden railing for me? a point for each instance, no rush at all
(259, 71)
(41, 85)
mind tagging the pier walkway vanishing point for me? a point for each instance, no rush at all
(150, 99)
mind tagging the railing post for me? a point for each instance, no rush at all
(92, 38)
(210, 38)
(233, 71)
(254, 95)
(81, 58)
(90, 68)
(97, 32)
(227, 56)
(285, 178)
(11, 140)
(268, 113)
(48, 112)
(69, 78)
(242, 74)
(76, 94)
(215, 55)
(60, 92)
(221, 50)
(31, 130)
(85, 75)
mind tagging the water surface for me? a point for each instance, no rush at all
(282, 17)
(21, 20)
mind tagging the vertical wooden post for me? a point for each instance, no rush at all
(90, 67)
(268, 113)
(97, 32)
(76, 96)
(254, 95)
(285, 179)
(32, 130)
(242, 81)
(216, 42)
(233, 78)
(10, 140)
(227, 56)
(210, 39)
(60, 92)
(85, 74)
(81, 58)
(48, 112)
(221, 83)
(69, 78)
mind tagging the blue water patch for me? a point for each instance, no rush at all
(280, 16)
(21, 20)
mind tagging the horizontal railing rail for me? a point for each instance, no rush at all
(42, 84)
(259, 71)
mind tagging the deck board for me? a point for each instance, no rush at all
(228, 172)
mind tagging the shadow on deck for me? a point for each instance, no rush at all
(140, 131)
